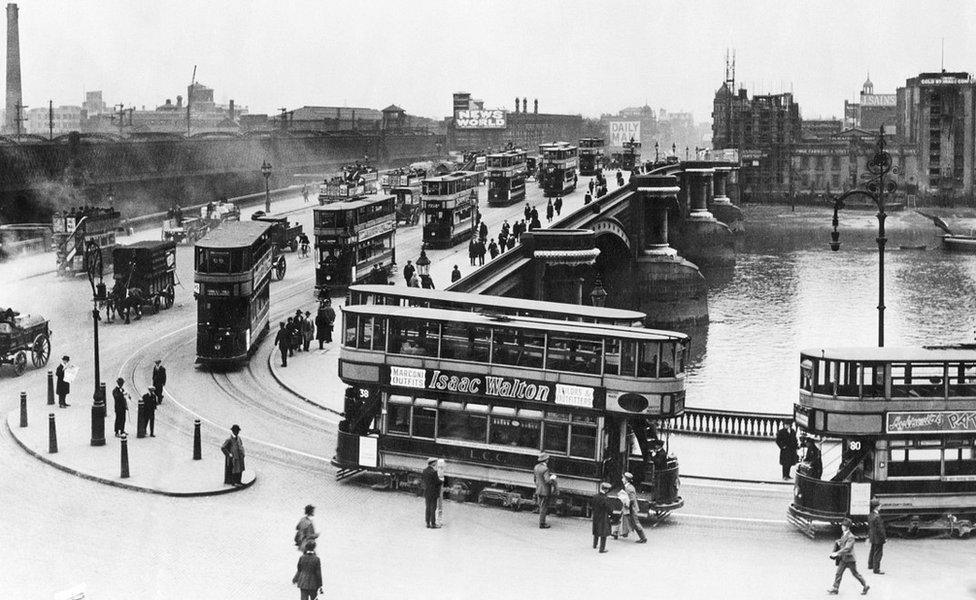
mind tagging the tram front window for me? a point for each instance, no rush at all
(230, 312)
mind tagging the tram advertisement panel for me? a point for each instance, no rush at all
(932, 421)
(495, 386)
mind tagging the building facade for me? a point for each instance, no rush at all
(55, 121)
(873, 111)
(937, 115)
(492, 130)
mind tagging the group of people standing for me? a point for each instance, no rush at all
(297, 333)
(789, 446)
(415, 279)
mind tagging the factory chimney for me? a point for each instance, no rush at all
(535, 106)
(516, 105)
(14, 96)
(231, 112)
(525, 103)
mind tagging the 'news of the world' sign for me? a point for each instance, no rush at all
(622, 131)
(479, 119)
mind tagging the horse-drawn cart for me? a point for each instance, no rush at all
(144, 276)
(22, 335)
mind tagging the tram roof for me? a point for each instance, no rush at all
(352, 204)
(610, 314)
(234, 234)
(455, 176)
(457, 316)
(962, 353)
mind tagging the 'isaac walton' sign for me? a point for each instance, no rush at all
(491, 385)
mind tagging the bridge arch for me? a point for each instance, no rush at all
(611, 226)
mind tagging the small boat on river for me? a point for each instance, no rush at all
(959, 243)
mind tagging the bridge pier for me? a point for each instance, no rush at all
(669, 289)
(722, 206)
(703, 239)
(562, 260)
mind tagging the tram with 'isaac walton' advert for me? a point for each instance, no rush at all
(355, 242)
(906, 419)
(490, 393)
(231, 285)
(449, 204)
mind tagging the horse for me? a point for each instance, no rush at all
(126, 299)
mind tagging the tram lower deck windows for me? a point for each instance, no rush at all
(514, 432)
(556, 438)
(398, 419)
(424, 422)
(463, 426)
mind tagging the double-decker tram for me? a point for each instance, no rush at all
(506, 177)
(559, 162)
(492, 305)
(489, 394)
(906, 419)
(231, 285)
(405, 185)
(355, 242)
(449, 205)
(630, 157)
(590, 155)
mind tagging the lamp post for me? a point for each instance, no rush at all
(879, 167)
(266, 171)
(93, 260)
(423, 268)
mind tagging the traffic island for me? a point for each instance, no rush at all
(157, 465)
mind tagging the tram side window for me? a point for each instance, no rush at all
(350, 337)
(611, 359)
(364, 334)
(647, 358)
(424, 422)
(667, 360)
(461, 425)
(960, 458)
(398, 419)
(511, 431)
(582, 441)
(574, 353)
(518, 347)
(465, 342)
(462, 214)
(628, 357)
(415, 337)
(556, 435)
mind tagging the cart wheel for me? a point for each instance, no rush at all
(20, 363)
(41, 350)
(280, 268)
(168, 297)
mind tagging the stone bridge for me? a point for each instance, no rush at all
(640, 247)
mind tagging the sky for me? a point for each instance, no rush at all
(576, 57)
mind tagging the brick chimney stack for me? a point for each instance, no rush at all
(230, 109)
(14, 95)
(535, 106)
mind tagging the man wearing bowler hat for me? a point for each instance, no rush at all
(432, 490)
(233, 450)
(544, 479)
(159, 380)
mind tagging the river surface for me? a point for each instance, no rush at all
(789, 292)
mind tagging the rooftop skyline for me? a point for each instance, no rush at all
(572, 58)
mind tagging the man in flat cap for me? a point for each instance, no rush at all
(432, 491)
(877, 536)
(631, 508)
(543, 487)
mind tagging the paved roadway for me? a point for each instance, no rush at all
(61, 531)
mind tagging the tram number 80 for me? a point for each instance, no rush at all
(854, 445)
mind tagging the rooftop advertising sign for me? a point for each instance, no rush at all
(479, 119)
(623, 131)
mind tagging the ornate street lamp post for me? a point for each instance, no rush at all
(423, 269)
(266, 171)
(879, 167)
(93, 260)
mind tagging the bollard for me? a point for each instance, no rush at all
(197, 450)
(23, 409)
(125, 457)
(141, 419)
(50, 388)
(52, 434)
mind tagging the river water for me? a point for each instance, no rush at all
(789, 292)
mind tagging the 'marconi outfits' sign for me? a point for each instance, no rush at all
(479, 119)
(491, 385)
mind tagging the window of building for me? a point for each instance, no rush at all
(835, 163)
(835, 180)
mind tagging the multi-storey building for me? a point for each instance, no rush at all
(473, 128)
(56, 121)
(937, 115)
(872, 111)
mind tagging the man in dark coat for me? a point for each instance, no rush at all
(121, 406)
(233, 450)
(527, 212)
(483, 231)
(455, 274)
(159, 380)
(408, 271)
(558, 204)
(600, 506)
(63, 387)
(788, 445)
(149, 402)
(535, 214)
(473, 251)
(308, 577)
(814, 459)
(878, 536)
(493, 249)
(432, 491)
(282, 340)
(324, 320)
(543, 487)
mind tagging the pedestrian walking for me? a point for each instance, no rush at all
(305, 192)
(414, 281)
(63, 387)
(303, 243)
(527, 212)
(325, 321)
(483, 231)
(121, 406)
(788, 446)
(481, 253)
(408, 271)
(493, 249)
(558, 205)
(308, 330)
(535, 214)
(426, 282)
(591, 185)
(600, 508)
(233, 449)
(544, 479)
(294, 327)
(877, 536)
(631, 508)
(455, 274)
(432, 489)
(149, 402)
(535, 224)
(159, 380)
(621, 528)
(506, 228)
(473, 251)
(308, 576)
(587, 199)
(305, 530)
(281, 341)
(843, 556)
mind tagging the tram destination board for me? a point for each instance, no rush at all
(932, 421)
